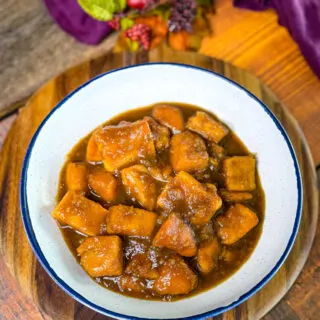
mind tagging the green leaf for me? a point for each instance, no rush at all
(120, 5)
(126, 23)
(99, 9)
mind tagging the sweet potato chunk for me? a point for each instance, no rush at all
(176, 235)
(131, 284)
(188, 152)
(175, 278)
(77, 177)
(140, 185)
(80, 213)
(233, 196)
(93, 154)
(102, 256)
(169, 116)
(207, 127)
(105, 185)
(161, 134)
(125, 144)
(141, 266)
(161, 172)
(130, 221)
(239, 173)
(208, 254)
(235, 223)
(187, 195)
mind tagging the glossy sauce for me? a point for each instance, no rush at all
(232, 257)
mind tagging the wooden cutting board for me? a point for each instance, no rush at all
(14, 246)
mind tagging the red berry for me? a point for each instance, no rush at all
(115, 23)
(137, 4)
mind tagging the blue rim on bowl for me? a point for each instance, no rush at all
(36, 248)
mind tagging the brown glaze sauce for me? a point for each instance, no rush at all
(231, 258)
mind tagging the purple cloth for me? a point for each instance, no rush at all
(73, 20)
(301, 18)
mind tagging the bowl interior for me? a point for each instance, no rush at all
(116, 92)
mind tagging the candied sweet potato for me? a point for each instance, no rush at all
(239, 173)
(126, 144)
(212, 187)
(130, 221)
(139, 184)
(187, 195)
(235, 223)
(131, 284)
(234, 196)
(176, 235)
(141, 266)
(77, 177)
(161, 134)
(207, 127)
(105, 185)
(93, 154)
(208, 254)
(80, 213)
(188, 152)
(102, 256)
(176, 277)
(169, 116)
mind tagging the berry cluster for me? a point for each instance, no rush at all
(141, 33)
(182, 15)
(115, 23)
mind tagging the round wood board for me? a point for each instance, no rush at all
(14, 246)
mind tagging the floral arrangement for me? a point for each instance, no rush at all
(144, 24)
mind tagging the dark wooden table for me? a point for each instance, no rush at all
(249, 40)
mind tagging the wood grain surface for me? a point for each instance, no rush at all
(14, 246)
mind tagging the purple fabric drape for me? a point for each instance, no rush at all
(300, 17)
(73, 20)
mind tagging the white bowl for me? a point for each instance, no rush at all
(117, 91)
